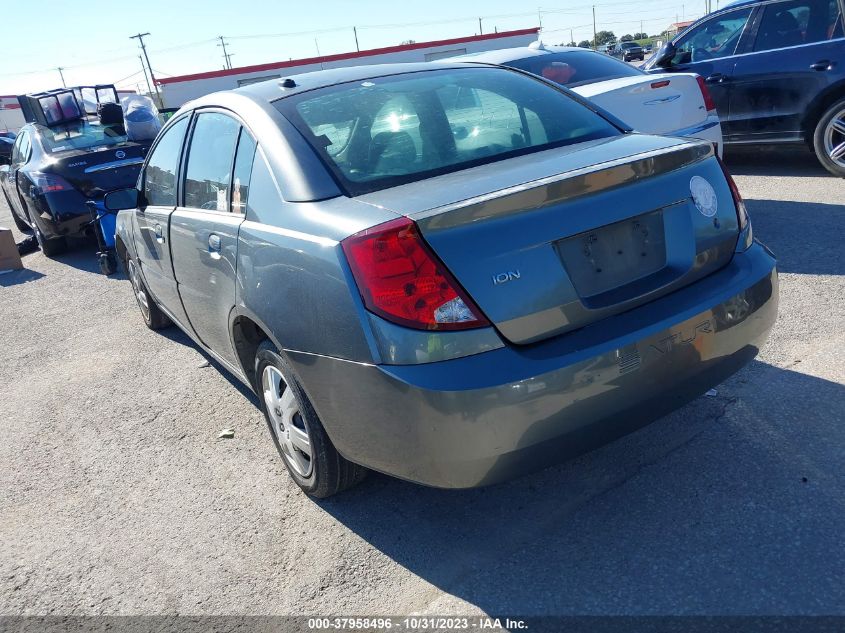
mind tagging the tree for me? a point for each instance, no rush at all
(640, 36)
(584, 44)
(570, 44)
(605, 37)
(627, 38)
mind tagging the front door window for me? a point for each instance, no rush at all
(713, 39)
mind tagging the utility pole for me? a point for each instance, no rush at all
(540, 17)
(355, 31)
(226, 55)
(480, 29)
(60, 69)
(140, 37)
(147, 79)
(572, 38)
(595, 38)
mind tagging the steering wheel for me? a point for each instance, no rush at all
(701, 54)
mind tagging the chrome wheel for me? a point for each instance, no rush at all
(834, 138)
(286, 421)
(138, 290)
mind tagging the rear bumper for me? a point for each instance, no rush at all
(61, 214)
(492, 416)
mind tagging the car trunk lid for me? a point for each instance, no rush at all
(654, 104)
(94, 172)
(599, 229)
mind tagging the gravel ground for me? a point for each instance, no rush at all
(119, 499)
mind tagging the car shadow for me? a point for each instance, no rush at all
(767, 160)
(714, 509)
(175, 334)
(22, 276)
(806, 237)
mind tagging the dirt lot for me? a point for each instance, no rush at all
(119, 499)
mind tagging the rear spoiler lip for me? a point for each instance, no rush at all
(136, 160)
(575, 183)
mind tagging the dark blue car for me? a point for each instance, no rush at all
(776, 70)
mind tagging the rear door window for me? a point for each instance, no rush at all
(160, 175)
(210, 157)
(786, 24)
(243, 172)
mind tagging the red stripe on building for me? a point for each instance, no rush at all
(341, 56)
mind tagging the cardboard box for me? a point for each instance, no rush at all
(9, 258)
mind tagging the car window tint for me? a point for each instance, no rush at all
(210, 156)
(835, 28)
(21, 149)
(786, 24)
(160, 175)
(411, 126)
(243, 170)
(576, 68)
(264, 200)
(713, 39)
(82, 135)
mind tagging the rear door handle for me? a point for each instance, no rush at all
(821, 65)
(214, 243)
(159, 233)
(716, 78)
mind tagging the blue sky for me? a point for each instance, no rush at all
(91, 39)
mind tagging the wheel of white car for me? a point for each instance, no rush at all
(829, 139)
(306, 450)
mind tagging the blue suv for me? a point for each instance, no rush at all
(776, 70)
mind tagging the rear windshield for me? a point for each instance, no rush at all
(387, 131)
(576, 68)
(81, 135)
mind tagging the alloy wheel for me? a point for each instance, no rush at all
(138, 290)
(286, 421)
(834, 138)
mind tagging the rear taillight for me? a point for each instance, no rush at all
(741, 211)
(709, 104)
(48, 183)
(402, 280)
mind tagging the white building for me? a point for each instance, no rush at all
(175, 91)
(11, 117)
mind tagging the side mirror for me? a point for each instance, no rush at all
(121, 199)
(663, 57)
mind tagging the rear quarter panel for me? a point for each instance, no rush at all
(293, 281)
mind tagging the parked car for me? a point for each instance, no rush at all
(672, 104)
(630, 51)
(54, 170)
(6, 150)
(648, 49)
(775, 70)
(446, 297)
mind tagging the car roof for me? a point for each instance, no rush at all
(272, 90)
(505, 55)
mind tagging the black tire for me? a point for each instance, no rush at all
(153, 317)
(50, 247)
(23, 227)
(330, 473)
(835, 111)
(107, 262)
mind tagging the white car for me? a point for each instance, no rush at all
(671, 104)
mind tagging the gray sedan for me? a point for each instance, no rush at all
(452, 274)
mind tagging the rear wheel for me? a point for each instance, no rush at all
(49, 246)
(306, 450)
(829, 139)
(151, 313)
